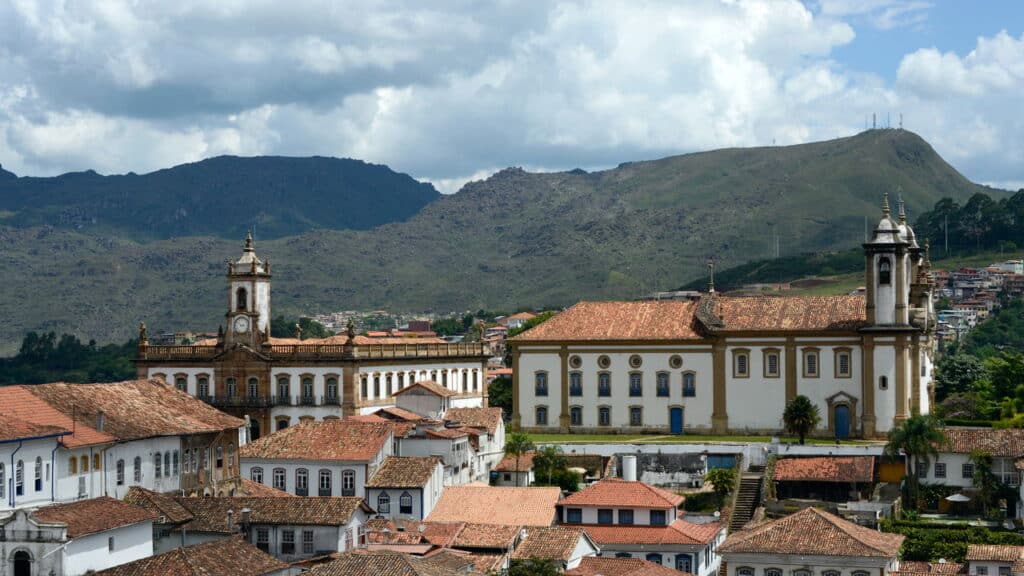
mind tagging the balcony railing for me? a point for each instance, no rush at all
(325, 351)
(307, 401)
(240, 401)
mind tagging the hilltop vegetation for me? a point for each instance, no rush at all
(515, 240)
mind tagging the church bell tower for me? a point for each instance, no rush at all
(248, 316)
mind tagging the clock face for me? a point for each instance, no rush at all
(242, 324)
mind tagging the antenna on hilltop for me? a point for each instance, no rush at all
(901, 120)
(874, 123)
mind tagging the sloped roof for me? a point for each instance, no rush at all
(678, 532)
(1008, 442)
(250, 488)
(13, 428)
(825, 469)
(340, 440)
(813, 532)
(94, 515)
(645, 320)
(488, 418)
(221, 557)
(994, 552)
(404, 472)
(921, 567)
(508, 463)
(136, 408)
(381, 563)
(534, 506)
(428, 385)
(624, 494)
(19, 403)
(782, 313)
(447, 433)
(555, 543)
(607, 566)
(488, 536)
(160, 504)
(209, 514)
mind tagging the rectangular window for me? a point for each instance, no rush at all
(981, 570)
(771, 365)
(573, 515)
(307, 541)
(689, 385)
(625, 517)
(636, 387)
(922, 469)
(279, 478)
(636, 416)
(288, 542)
(662, 385)
(604, 416)
(575, 384)
(810, 364)
(605, 516)
(110, 544)
(604, 384)
(940, 470)
(843, 368)
(967, 470)
(576, 416)
(263, 539)
(741, 365)
(541, 384)
(657, 517)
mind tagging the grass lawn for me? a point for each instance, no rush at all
(670, 439)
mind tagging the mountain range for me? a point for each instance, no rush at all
(515, 239)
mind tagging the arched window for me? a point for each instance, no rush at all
(623, 555)
(604, 384)
(219, 455)
(689, 384)
(405, 503)
(741, 364)
(636, 384)
(773, 572)
(241, 299)
(279, 478)
(158, 460)
(231, 455)
(203, 387)
(283, 389)
(332, 387)
(137, 470)
(39, 473)
(73, 465)
(282, 423)
(326, 483)
(174, 462)
(254, 387)
(120, 472)
(802, 573)
(604, 416)
(576, 416)
(205, 462)
(831, 573)
(167, 463)
(19, 478)
(861, 573)
(307, 390)
(745, 571)
(383, 503)
(302, 482)
(84, 464)
(348, 483)
(97, 462)
(575, 384)
(662, 385)
(540, 384)
(542, 416)
(884, 271)
(256, 474)
(232, 387)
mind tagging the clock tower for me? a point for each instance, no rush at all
(248, 315)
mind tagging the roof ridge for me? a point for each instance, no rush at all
(848, 530)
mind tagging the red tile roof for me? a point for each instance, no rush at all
(17, 402)
(623, 494)
(404, 472)
(813, 532)
(781, 313)
(429, 386)
(1007, 442)
(447, 433)
(14, 428)
(556, 543)
(605, 566)
(250, 488)
(666, 320)
(210, 514)
(678, 532)
(160, 504)
(508, 463)
(94, 515)
(489, 536)
(381, 563)
(488, 418)
(994, 552)
(479, 504)
(397, 413)
(328, 440)
(136, 408)
(222, 557)
(913, 567)
(825, 469)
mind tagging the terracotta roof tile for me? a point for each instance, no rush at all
(488, 418)
(508, 463)
(556, 543)
(388, 531)
(380, 564)
(160, 504)
(678, 532)
(1005, 443)
(813, 532)
(449, 433)
(17, 402)
(136, 408)
(624, 494)
(533, 506)
(210, 514)
(780, 313)
(222, 557)
(341, 440)
(94, 515)
(255, 489)
(428, 385)
(665, 320)
(489, 536)
(994, 552)
(397, 413)
(404, 472)
(825, 469)
(15, 428)
(605, 566)
(920, 567)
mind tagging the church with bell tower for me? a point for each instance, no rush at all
(277, 382)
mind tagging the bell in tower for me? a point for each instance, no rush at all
(248, 316)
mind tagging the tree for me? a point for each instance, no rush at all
(547, 461)
(517, 444)
(282, 327)
(917, 438)
(985, 481)
(723, 480)
(499, 394)
(531, 567)
(801, 416)
(956, 374)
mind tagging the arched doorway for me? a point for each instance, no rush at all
(842, 420)
(22, 563)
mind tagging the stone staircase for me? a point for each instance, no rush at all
(748, 498)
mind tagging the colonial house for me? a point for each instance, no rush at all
(719, 364)
(953, 466)
(487, 426)
(27, 462)
(289, 529)
(276, 382)
(426, 398)
(328, 458)
(811, 543)
(600, 566)
(515, 471)
(381, 563)
(224, 557)
(994, 560)
(75, 538)
(629, 519)
(480, 504)
(564, 546)
(828, 478)
(407, 487)
(124, 434)
(450, 445)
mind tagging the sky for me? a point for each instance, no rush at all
(453, 91)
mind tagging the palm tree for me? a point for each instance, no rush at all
(917, 438)
(516, 445)
(801, 416)
(548, 459)
(985, 481)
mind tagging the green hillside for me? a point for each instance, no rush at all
(516, 239)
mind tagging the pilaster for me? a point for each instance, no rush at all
(516, 417)
(901, 379)
(901, 288)
(790, 369)
(915, 375)
(869, 286)
(867, 387)
(563, 417)
(719, 414)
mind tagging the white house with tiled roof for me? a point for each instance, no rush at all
(629, 519)
(811, 543)
(406, 488)
(953, 467)
(994, 560)
(722, 364)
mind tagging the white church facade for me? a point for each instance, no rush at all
(721, 364)
(278, 382)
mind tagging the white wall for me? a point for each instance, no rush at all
(145, 448)
(361, 469)
(91, 552)
(27, 452)
(641, 516)
(846, 565)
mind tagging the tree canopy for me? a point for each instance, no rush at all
(801, 416)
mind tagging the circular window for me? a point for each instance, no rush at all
(575, 361)
(635, 361)
(604, 361)
(675, 361)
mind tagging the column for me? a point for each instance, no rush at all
(915, 375)
(790, 369)
(869, 286)
(867, 387)
(901, 282)
(901, 378)
(563, 387)
(516, 418)
(719, 414)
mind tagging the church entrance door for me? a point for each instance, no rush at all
(676, 420)
(842, 420)
(22, 564)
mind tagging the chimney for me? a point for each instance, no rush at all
(231, 520)
(629, 467)
(245, 520)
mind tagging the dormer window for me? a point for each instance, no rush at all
(241, 299)
(884, 271)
